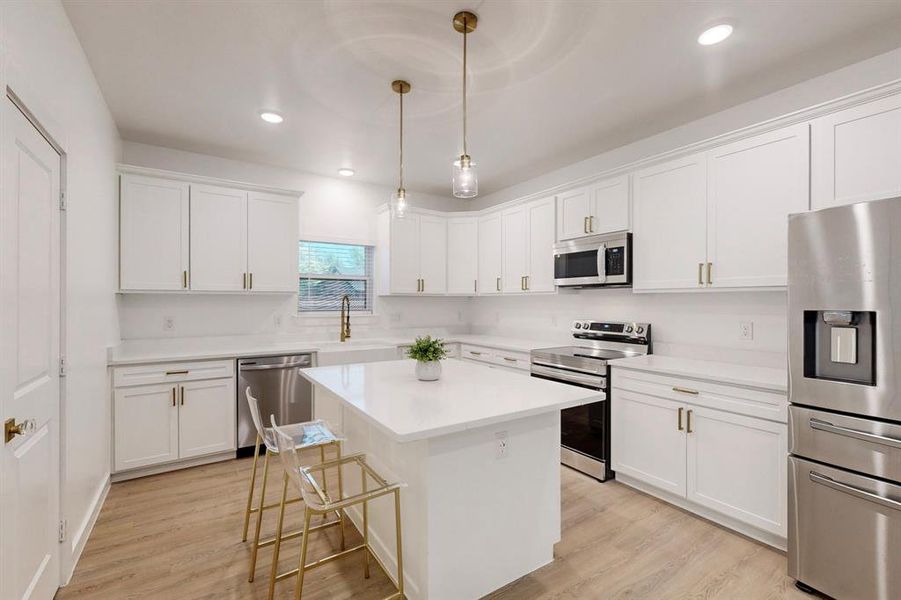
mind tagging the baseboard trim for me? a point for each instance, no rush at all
(172, 466)
(80, 539)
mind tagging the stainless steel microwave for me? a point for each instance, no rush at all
(599, 260)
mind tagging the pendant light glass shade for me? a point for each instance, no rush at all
(466, 178)
(399, 204)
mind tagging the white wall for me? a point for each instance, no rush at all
(704, 325)
(44, 64)
(331, 209)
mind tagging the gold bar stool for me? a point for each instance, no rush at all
(311, 434)
(318, 501)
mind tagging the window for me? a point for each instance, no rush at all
(328, 272)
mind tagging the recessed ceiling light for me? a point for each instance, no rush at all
(715, 34)
(345, 172)
(271, 116)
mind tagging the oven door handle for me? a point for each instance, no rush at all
(570, 376)
(565, 368)
(602, 263)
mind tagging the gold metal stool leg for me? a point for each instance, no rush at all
(278, 539)
(303, 553)
(341, 514)
(256, 537)
(400, 551)
(365, 529)
(253, 481)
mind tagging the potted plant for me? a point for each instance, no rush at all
(428, 354)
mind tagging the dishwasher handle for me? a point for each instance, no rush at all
(303, 363)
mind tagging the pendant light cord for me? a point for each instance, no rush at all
(465, 32)
(401, 140)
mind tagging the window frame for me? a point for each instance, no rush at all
(369, 266)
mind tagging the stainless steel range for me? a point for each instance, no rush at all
(585, 443)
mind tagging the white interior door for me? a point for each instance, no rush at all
(218, 239)
(30, 312)
(272, 242)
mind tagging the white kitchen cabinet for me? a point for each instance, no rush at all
(218, 239)
(206, 417)
(433, 254)
(856, 154)
(153, 233)
(272, 238)
(669, 236)
(541, 221)
(752, 187)
(602, 207)
(647, 442)
(413, 254)
(462, 255)
(145, 425)
(491, 253)
(737, 466)
(515, 234)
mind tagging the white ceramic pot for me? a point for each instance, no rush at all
(428, 370)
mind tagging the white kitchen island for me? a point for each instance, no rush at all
(476, 514)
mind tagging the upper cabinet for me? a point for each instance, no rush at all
(602, 207)
(412, 254)
(856, 154)
(182, 236)
(491, 252)
(462, 255)
(528, 242)
(719, 219)
(153, 239)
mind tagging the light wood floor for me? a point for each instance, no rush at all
(177, 535)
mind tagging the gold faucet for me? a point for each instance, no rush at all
(345, 318)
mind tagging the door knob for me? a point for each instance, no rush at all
(11, 430)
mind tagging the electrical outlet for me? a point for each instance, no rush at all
(746, 330)
(501, 439)
(278, 321)
(168, 323)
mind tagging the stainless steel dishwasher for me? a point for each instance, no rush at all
(280, 389)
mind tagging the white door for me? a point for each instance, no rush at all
(433, 254)
(857, 154)
(404, 255)
(272, 243)
(490, 254)
(462, 256)
(752, 187)
(29, 371)
(669, 238)
(153, 233)
(146, 425)
(646, 441)
(206, 417)
(515, 235)
(610, 208)
(737, 466)
(573, 210)
(218, 239)
(541, 222)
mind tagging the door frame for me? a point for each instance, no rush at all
(62, 560)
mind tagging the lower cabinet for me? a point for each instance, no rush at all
(732, 464)
(167, 422)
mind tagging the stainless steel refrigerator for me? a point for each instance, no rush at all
(844, 298)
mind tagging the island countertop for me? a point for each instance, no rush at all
(468, 395)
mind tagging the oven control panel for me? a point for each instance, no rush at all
(610, 330)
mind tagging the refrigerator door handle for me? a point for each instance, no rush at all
(854, 433)
(854, 491)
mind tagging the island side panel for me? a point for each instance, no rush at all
(407, 462)
(492, 519)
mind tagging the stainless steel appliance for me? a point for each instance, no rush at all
(844, 297)
(585, 430)
(276, 383)
(599, 260)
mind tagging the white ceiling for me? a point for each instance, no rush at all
(551, 82)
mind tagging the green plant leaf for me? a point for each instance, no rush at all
(427, 349)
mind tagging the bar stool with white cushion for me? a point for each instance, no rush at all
(310, 434)
(318, 501)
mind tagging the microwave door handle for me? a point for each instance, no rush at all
(602, 264)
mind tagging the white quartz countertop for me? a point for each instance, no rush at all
(468, 395)
(203, 348)
(731, 373)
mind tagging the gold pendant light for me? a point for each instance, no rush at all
(399, 201)
(466, 179)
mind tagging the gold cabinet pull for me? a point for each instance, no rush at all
(475, 285)
(498, 284)
(528, 282)
(700, 273)
(184, 279)
(688, 422)
(585, 225)
(423, 285)
(244, 285)
(590, 223)
(710, 273)
(250, 281)
(182, 395)
(685, 390)
(680, 419)
(508, 359)
(474, 353)
(173, 396)
(184, 372)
